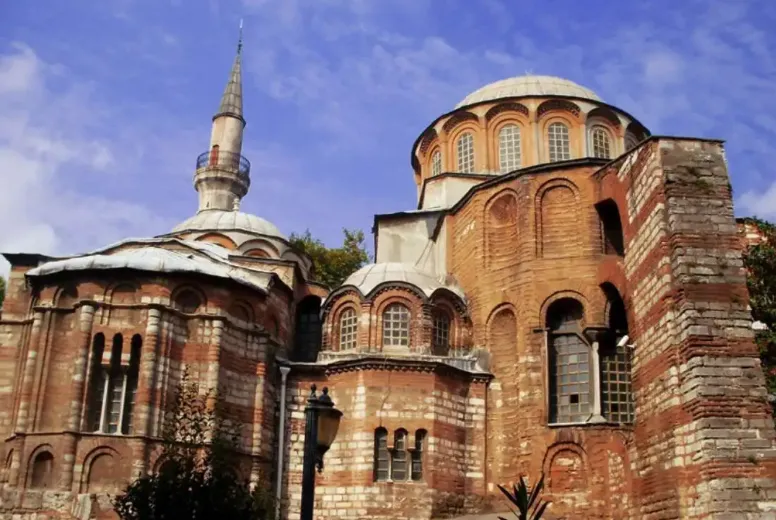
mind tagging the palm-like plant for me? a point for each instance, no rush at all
(528, 505)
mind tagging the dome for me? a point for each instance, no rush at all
(370, 276)
(528, 86)
(217, 220)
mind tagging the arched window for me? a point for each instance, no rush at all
(113, 386)
(187, 301)
(399, 456)
(436, 163)
(509, 148)
(600, 143)
(396, 326)
(465, 149)
(558, 142)
(441, 332)
(616, 389)
(308, 329)
(571, 384)
(382, 461)
(611, 228)
(348, 332)
(42, 476)
(631, 141)
(417, 455)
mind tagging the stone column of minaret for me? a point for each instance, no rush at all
(222, 176)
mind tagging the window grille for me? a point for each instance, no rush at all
(348, 329)
(396, 326)
(558, 141)
(465, 149)
(509, 148)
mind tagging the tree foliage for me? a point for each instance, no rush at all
(331, 266)
(760, 263)
(197, 478)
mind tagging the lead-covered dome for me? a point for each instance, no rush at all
(371, 276)
(217, 220)
(520, 86)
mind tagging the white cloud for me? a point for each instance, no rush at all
(51, 152)
(760, 203)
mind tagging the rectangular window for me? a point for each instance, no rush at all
(616, 393)
(570, 379)
(382, 460)
(399, 462)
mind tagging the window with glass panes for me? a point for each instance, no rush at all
(509, 148)
(436, 163)
(570, 377)
(558, 142)
(601, 143)
(465, 152)
(396, 326)
(382, 461)
(113, 386)
(348, 329)
(441, 332)
(417, 455)
(616, 392)
(399, 456)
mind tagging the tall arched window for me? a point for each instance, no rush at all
(113, 386)
(436, 163)
(399, 456)
(630, 141)
(308, 329)
(42, 476)
(396, 326)
(441, 333)
(558, 142)
(382, 461)
(465, 152)
(600, 143)
(509, 148)
(616, 389)
(571, 385)
(348, 332)
(417, 455)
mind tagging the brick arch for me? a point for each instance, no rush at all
(408, 298)
(575, 291)
(260, 249)
(66, 296)
(180, 297)
(565, 467)
(501, 234)
(333, 323)
(559, 105)
(506, 107)
(606, 114)
(242, 310)
(52, 475)
(428, 138)
(385, 287)
(122, 292)
(100, 467)
(218, 239)
(457, 119)
(558, 226)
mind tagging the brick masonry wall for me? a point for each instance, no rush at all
(42, 353)
(450, 408)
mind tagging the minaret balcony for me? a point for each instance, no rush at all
(227, 161)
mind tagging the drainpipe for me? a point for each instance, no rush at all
(281, 439)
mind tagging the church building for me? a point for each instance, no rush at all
(566, 297)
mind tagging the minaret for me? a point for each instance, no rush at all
(222, 176)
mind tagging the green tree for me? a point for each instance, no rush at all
(196, 479)
(331, 266)
(760, 263)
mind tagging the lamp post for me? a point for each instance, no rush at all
(321, 425)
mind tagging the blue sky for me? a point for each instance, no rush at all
(105, 105)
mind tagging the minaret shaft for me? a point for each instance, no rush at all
(222, 177)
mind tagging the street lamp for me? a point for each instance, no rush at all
(321, 425)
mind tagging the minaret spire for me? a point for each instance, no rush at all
(223, 174)
(231, 101)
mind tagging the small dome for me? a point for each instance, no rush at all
(520, 86)
(217, 220)
(370, 276)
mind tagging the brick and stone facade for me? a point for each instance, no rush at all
(582, 315)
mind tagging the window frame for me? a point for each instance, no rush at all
(517, 146)
(435, 167)
(352, 335)
(387, 341)
(436, 315)
(595, 130)
(554, 123)
(113, 387)
(471, 156)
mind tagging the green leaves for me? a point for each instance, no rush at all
(760, 264)
(331, 266)
(528, 505)
(197, 477)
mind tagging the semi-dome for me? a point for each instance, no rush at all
(218, 220)
(371, 276)
(528, 86)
